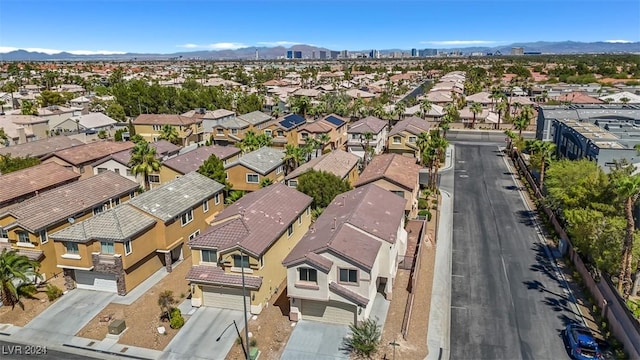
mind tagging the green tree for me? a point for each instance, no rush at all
(572, 184)
(102, 134)
(322, 186)
(542, 151)
(501, 109)
(521, 123)
(293, 157)
(368, 151)
(144, 160)
(365, 338)
(234, 196)
(10, 164)
(16, 271)
(4, 138)
(116, 112)
(425, 107)
(48, 98)
(166, 301)
(265, 181)
(628, 188)
(253, 142)
(213, 168)
(169, 133)
(511, 136)
(28, 108)
(323, 140)
(476, 108)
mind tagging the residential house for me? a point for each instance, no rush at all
(210, 118)
(120, 162)
(92, 122)
(118, 249)
(16, 134)
(26, 226)
(246, 173)
(33, 125)
(21, 185)
(257, 120)
(252, 236)
(332, 125)
(350, 254)
(54, 114)
(284, 130)
(233, 130)
(370, 124)
(81, 158)
(189, 129)
(403, 137)
(338, 162)
(576, 97)
(396, 173)
(192, 160)
(617, 98)
(482, 97)
(40, 148)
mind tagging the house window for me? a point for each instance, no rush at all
(101, 170)
(154, 179)
(194, 235)
(253, 178)
(306, 274)
(261, 262)
(98, 210)
(187, 217)
(279, 169)
(226, 175)
(412, 139)
(349, 276)
(216, 198)
(241, 261)
(116, 201)
(290, 230)
(293, 183)
(129, 173)
(43, 237)
(268, 132)
(23, 237)
(209, 256)
(280, 133)
(71, 247)
(127, 247)
(157, 127)
(220, 131)
(305, 136)
(309, 211)
(399, 193)
(205, 205)
(397, 139)
(107, 248)
(299, 220)
(132, 194)
(234, 131)
(3, 234)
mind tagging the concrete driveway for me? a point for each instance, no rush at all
(197, 339)
(315, 340)
(63, 319)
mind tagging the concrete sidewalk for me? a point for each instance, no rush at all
(440, 313)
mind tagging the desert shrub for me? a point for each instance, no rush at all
(53, 292)
(177, 321)
(253, 342)
(423, 204)
(426, 213)
(365, 338)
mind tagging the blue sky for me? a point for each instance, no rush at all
(167, 26)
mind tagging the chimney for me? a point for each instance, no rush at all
(22, 135)
(335, 223)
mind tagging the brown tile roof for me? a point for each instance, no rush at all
(579, 98)
(66, 201)
(35, 255)
(337, 162)
(37, 178)
(40, 148)
(401, 170)
(255, 221)
(369, 124)
(163, 147)
(192, 160)
(317, 127)
(82, 154)
(165, 119)
(413, 125)
(349, 294)
(349, 226)
(214, 275)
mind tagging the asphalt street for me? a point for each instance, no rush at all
(506, 301)
(13, 351)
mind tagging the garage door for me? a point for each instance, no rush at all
(96, 281)
(225, 298)
(330, 312)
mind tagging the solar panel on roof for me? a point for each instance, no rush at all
(335, 121)
(292, 120)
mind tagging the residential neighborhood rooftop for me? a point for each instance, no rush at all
(255, 117)
(413, 125)
(82, 154)
(263, 160)
(40, 148)
(399, 169)
(165, 119)
(337, 162)
(33, 179)
(370, 124)
(215, 275)
(192, 160)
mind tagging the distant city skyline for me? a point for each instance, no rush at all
(164, 27)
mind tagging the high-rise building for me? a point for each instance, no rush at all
(428, 52)
(323, 54)
(414, 52)
(374, 54)
(313, 54)
(289, 54)
(297, 54)
(344, 54)
(517, 51)
(335, 54)
(257, 55)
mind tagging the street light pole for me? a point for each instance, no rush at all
(237, 332)
(244, 304)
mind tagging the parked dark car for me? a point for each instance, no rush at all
(582, 344)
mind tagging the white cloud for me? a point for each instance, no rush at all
(215, 46)
(619, 41)
(6, 49)
(460, 42)
(278, 43)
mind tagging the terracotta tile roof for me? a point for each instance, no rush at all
(351, 226)
(399, 169)
(369, 124)
(165, 119)
(35, 255)
(349, 294)
(192, 160)
(255, 221)
(579, 98)
(337, 162)
(66, 201)
(317, 127)
(40, 148)
(82, 154)
(37, 178)
(163, 147)
(214, 275)
(413, 125)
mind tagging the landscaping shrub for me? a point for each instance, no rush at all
(365, 338)
(423, 204)
(177, 321)
(53, 292)
(426, 213)
(253, 342)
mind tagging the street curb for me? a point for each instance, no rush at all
(438, 334)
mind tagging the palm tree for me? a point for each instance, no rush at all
(276, 112)
(15, 271)
(144, 161)
(28, 108)
(511, 136)
(625, 100)
(476, 108)
(265, 182)
(365, 140)
(520, 123)
(501, 108)
(401, 107)
(234, 196)
(169, 133)
(425, 107)
(544, 150)
(324, 139)
(293, 157)
(423, 143)
(628, 188)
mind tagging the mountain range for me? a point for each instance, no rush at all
(269, 53)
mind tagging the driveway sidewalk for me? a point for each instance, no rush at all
(317, 341)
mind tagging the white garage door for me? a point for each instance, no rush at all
(225, 298)
(96, 281)
(333, 312)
